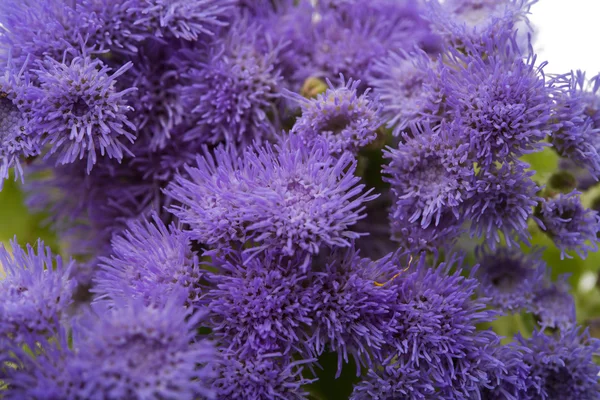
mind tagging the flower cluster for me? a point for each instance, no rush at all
(265, 198)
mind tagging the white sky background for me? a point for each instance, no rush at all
(568, 35)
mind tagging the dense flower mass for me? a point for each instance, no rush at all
(296, 199)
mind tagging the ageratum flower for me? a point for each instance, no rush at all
(182, 19)
(261, 376)
(351, 312)
(259, 304)
(16, 140)
(571, 227)
(553, 306)
(151, 262)
(435, 317)
(292, 196)
(350, 38)
(110, 25)
(502, 102)
(509, 277)
(35, 293)
(79, 111)
(511, 380)
(407, 85)
(135, 351)
(345, 119)
(231, 91)
(395, 379)
(157, 107)
(36, 29)
(563, 364)
(503, 200)
(577, 132)
(429, 175)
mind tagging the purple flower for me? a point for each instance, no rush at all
(182, 19)
(110, 26)
(429, 174)
(157, 108)
(79, 111)
(553, 306)
(503, 200)
(407, 85)
(501, 102)
(351, 312)
(15, 112)
(35, 294)
(511, 380)
(292, 197)
(350, 38)
(134, 351)
(231, 91)
(261, 376)
(577, 134)
(345, 119)
(36, 29)
(398, 379)
(150, 261)
(259, 304)
(562, 365)
(435, 326)
(571, 227)
(509, 277)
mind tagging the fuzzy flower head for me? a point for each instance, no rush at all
(135, 351)
(35, 292)
(351, 311)
(345, 119)
(261, 376)
(569, 224)
(429, 175)
(80, 112)
(553, 306)
(231, 95)
(259, 304)
(436, 317)
(503, 201)
(182, 19)
(509, 277)
(577, 132)
(407, 87)
(15, 110)
(562, 365)
(151, 262)
(292, 196)
(501, 102)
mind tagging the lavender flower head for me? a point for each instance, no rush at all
(231, 91)
(15, 108)
(407, 87)
(571, 227)
(509, 277)
(150, 262)
(259, 304)
(352, 312)
(435, 323)
(293, 197)
(553, 306)
(429, 175)
(144, 352)
(501, 101)
(503, 201)
(345, 119)
(182, 19)
(261, 376)
(80, 112)
(35, 293)
(562, 365)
